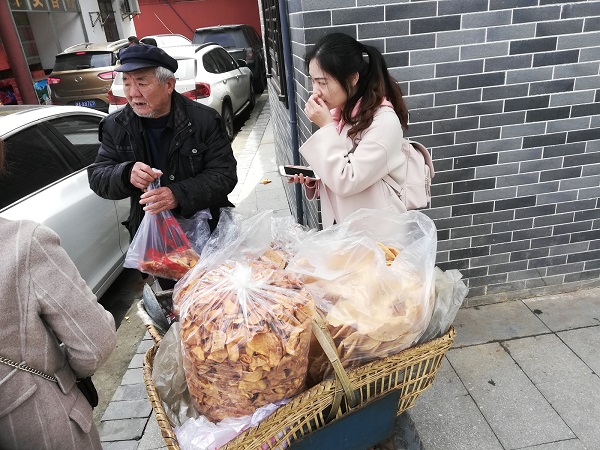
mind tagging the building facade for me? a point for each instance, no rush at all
(44, 28)
(184, 16)
(506, 95)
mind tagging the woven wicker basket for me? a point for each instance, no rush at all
(411, 371)
(154, 334)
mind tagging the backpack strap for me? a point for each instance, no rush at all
(421, 148)
(395, 186)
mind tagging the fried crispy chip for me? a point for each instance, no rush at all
(198, 353)
(218, 340)
(264, 343)
(252, 377)
(218, 356)
(233, 351)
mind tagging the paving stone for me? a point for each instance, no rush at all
(445, 385)
(585, 342)
(268, 200)
(511, 404)
(571, 444)
(276, 183)
(133, 376)
(577, 400)
(127, 409)
(120, 445)
(130, 392)
(453, 425)
(145, 345)
(500, 321)
(122, 430)
(546, 358)
(152, 438)
(137, 361)
(446, 417)
(283, 212)
(583, 309)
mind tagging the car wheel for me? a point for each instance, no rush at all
(227, 118)
(252, 97)
(260, 82)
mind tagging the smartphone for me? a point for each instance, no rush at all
(290, 171)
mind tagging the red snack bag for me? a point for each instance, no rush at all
(160, 246)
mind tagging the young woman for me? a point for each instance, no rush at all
(361, 116)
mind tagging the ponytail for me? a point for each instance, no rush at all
(375, 85)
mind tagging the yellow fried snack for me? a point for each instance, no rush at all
(370, 316)
(275, 257)
(389, 252)
(246, 335)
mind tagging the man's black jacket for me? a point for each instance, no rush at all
(201, 167)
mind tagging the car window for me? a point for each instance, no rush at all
(219, 62)
(33, 161)
(82, 132)
(186, 69)
(254, 39)
(209, 63)
(82, 60)
(225, 38)
(226, 59)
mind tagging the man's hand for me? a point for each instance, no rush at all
(158, 200)
(142, 175)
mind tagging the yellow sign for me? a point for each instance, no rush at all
(44, 5)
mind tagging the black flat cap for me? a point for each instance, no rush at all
(141, 56)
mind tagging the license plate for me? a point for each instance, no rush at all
(86, 103)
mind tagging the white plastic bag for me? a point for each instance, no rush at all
(160, 247)
(450, 292)
(202, 434)
(169, 378)
(373, 309)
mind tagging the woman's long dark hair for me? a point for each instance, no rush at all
(341, 56)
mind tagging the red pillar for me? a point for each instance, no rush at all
(16, 58)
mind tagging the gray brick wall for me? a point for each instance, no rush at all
(506, 94)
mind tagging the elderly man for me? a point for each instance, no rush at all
(161, 129)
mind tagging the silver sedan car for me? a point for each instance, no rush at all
(48, 149)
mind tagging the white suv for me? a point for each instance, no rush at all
(206, 74)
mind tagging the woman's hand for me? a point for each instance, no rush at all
(317, 111)
(311, 186)
(302, 180)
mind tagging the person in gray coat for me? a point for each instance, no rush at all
(52, 322)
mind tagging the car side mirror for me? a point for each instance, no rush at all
(242, 63)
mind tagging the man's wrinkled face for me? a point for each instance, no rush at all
(146, 95)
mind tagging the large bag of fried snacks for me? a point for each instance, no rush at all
(372, 277)
(245, 328)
